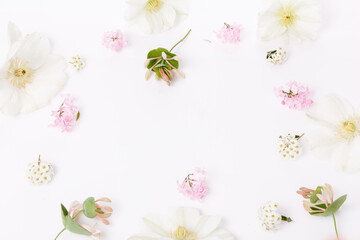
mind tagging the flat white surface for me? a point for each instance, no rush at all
(136, 138)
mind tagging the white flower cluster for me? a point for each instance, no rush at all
(40, 172)
(289, 147)
(277, 56)
(268, 216)
(78, 62)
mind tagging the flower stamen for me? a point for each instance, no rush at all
(19, 73)
(153, 5)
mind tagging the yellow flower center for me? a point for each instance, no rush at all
(19, 73)
(348, 130)
(153, 5)
(182, 233)
(287, 16)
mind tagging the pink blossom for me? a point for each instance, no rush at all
(294, 95)
(194, 185)
(114, 40)
(66, 115)
(229, 34)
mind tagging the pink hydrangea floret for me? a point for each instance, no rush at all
(194, 185)
(114, 40)
(229, 33)
(294, 95)
(66, 115)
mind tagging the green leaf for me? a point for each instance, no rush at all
(78, 116)
(270, 53)
(158, 53)
(71, 225)
(333, 207)
(89, 207)
(314, 198)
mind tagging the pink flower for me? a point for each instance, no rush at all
(114, 40)
(294, 95)
(229, 34)
(66, 115)
(194, 185)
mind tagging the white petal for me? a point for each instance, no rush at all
(35, 49)
(351, 161)
(134, 8)
(14, 33)
(219, 234)
(48, 81)
(153, 224)
(187, 217)
(206, 225)
(330, 111)
(167, 15)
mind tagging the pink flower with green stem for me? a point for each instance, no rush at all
(321, 202)
(90, 209)
(194, 185)
(162, 62)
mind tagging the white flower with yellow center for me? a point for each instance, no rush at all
(31, 76)
(182, 224)
(289, 21)
(337, 138)
(153, 16)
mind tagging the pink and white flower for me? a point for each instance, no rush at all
(229, 33)
(294, 95)
(194, 185)
(66, 115)
(115, 40)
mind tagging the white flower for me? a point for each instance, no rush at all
(289, 21)
(40, 172)
(153, 16)
(269, 218)
(337, 138)
(78, 63)
(289, 147)
(31, 76)
(183, 224)
(277, 56)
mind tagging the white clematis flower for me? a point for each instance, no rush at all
(153, 16)
(31, 76)
(338, 137)
(289, 21)
(183, 224)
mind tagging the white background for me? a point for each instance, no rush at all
(136, 138)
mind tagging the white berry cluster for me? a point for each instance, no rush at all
(268, 216)
(277, 56)
(289, 147)
(40, 172)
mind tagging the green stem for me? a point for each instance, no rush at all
(60, 233)
(180, 40)
(78, 213)
(337, 235)
(286, 219)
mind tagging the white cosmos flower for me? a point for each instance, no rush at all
(337, 138)
(182, 224)
(289, 21)
(31, 75)
(153, 16)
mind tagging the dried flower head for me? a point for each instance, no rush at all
(162, 62)
(40, 172)
(194, 185)
(229, 33)
(289, 146)
(115, 40)
(294, 95)
(77, 62)
(66, 115)
(269, 218)
(90, 209)
(321, 202)
(277, 56)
